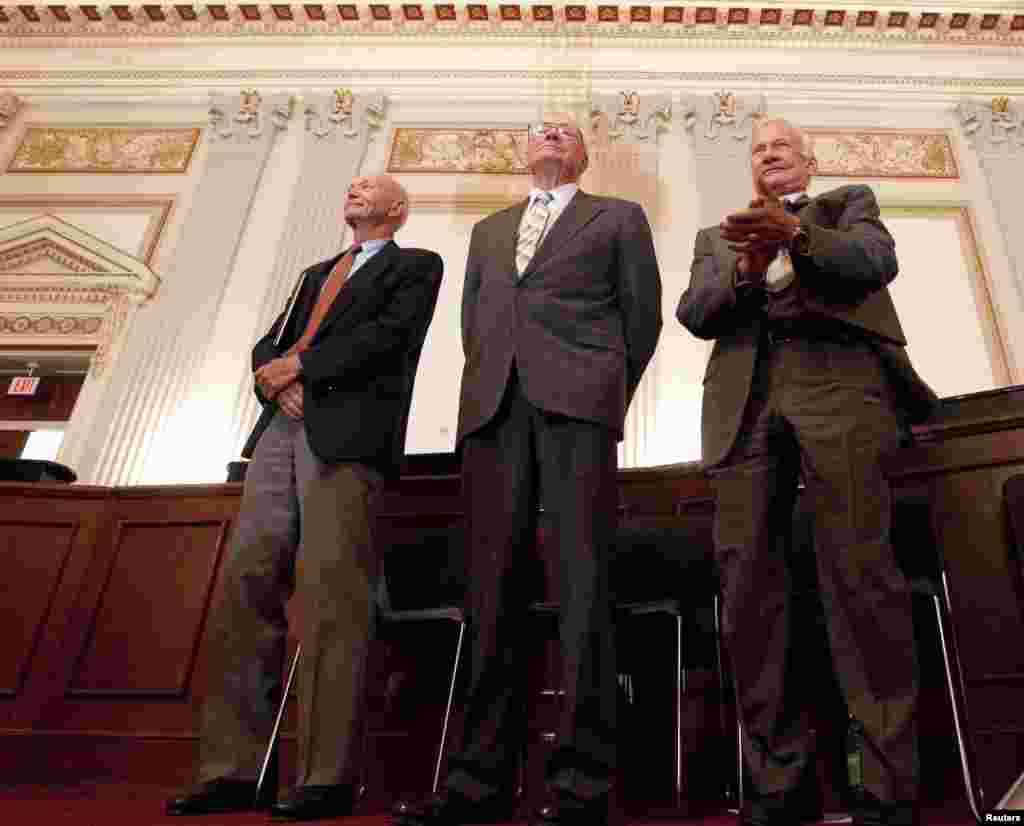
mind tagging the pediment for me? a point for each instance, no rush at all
(47, 252)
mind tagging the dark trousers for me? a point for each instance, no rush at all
(822, 410)
(522, 458)
(304, 526)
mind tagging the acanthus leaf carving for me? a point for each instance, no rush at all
(997, 125)
(10, 103)
(630, 116)
(723, 114)
(344, 114)
(247, 117)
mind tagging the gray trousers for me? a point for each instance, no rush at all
(304, 526)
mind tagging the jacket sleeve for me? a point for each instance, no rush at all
(470, 291)
(711, 306)
(859, 254)
(349, 354)
(264, 350)
(639, 289)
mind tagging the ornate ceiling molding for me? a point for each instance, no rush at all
(486, 82)
(104, 149)
(949, 23)
(9, 106)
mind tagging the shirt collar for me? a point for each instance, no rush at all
(562, 194)
(373, 245)
(790, 197)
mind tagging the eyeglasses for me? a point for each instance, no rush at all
(540, 130)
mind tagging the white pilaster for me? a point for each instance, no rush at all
(125, 439)
(995, 131)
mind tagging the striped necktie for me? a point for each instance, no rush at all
(328, 292)
(532, 230)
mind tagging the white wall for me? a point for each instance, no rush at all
(460, 84)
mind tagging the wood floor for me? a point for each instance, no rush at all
(122, 805)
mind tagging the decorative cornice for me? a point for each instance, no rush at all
(992, 127)
(9, 106)
(949, 23)
(185, 81)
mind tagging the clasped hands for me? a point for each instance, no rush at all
(278, 380)
(756, 234)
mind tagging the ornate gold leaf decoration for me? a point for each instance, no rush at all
(104, 149)
(459, 151)
(881, 154)
(49, 325)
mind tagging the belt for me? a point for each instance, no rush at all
(784, 330)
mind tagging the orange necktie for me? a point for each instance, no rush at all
(328, 292)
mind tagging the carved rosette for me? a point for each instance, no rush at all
(9, 106)
(992, 127)
(249, 115)
(630, 116)
(343, 115)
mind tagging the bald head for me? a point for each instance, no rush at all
(376, 206)
(781, 158)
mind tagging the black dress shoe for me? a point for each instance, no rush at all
(449, 808)
(786, 808)
(870, 811)
(566, 810)
(315, 802)
(215, 797)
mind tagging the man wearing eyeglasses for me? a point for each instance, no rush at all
(808, 378)
(561, 312)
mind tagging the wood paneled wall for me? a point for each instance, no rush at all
(106, 593)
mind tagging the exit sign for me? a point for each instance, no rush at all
(23, 386)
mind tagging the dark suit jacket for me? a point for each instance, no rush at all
(851, 259)
(581, 323)
(359, 370)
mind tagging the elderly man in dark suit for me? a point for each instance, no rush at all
(335, 375)
(808, 377)
(561, 312)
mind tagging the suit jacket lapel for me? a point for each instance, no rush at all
(579, 212)
(505, 233)
(362, 277)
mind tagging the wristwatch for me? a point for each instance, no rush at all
(800, 243)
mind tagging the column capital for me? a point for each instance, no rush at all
(992, 127)
(343, 115)
(248, 115)
(630, 117)
(10, 103)
(720, 123)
